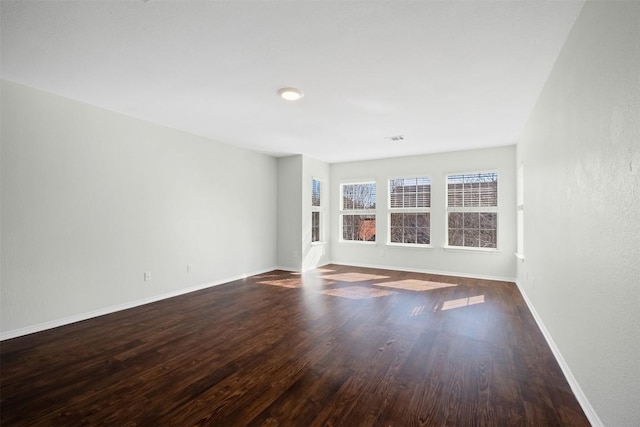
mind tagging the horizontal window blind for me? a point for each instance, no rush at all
(410, 193)
(409, 205)
(472, 210)
(472, 190)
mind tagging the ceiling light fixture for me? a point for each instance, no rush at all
(290, 93)
(395, 138)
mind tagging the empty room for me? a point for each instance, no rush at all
(320, 213)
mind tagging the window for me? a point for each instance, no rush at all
(315, 210)
(357, 212)
(315, 193)
(410, 205)
(315, 226)
(520, 210)
(472, 210)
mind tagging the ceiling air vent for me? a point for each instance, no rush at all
(395, 138)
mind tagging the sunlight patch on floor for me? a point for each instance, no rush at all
(353, 277)
(462, 302)
(283, 283)
(357, 292)
(416, 285)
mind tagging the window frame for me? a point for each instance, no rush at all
(365, 212)
(408, 210)
(472, 209)
(317, 210)
(520, 213)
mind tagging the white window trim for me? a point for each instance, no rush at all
(415, 246)
(520, 214)
(344, 211)
(446, 246)
(469, 249)
(320, 210)
(407, 210)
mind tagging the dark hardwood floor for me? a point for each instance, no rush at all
(340, 346)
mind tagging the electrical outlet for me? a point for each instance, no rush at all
(189, 268)
(147, 276)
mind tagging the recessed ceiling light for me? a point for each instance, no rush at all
(290, 93)
(395, 138)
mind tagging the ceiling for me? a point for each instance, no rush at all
(447, 76)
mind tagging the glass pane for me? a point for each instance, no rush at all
(315, 226)
(410, 235)
(315, 193)
(456, 237)
(488, 220)
(471, 220)
(422, 220)
(472, 190)
(347, 197)
(471, 195)
(366, 228)
(396, 235)
(359, 227)
(410, 192)
(488, 239)
(410, 220)
(359, 196)
(489, 193)
(423, 237)
(396, 220)
(347, 227)
(455, 219)
(471, 238)
(347, 233)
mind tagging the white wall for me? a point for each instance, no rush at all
(289, 248)
(92, 199)
(315, 254)
(500, 264)
(295, 250)
(581, 156)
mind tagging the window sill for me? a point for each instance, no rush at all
(359, 242)
(318, 243)
(471, 249)
(409, 245)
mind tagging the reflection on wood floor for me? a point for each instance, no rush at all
(338, 346)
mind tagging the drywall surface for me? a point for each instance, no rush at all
(581, 157)
(92, 199)
(498, 264)
(295, 250)
(317, 253)
(289, 245)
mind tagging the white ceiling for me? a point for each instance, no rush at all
(446, 75)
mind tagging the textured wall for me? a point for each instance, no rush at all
(581, 156)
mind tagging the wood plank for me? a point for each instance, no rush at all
(330, 347)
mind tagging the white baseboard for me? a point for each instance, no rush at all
(420, 270)
(299, 270)
(573, 383)
(290, 269)
(112, 309)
